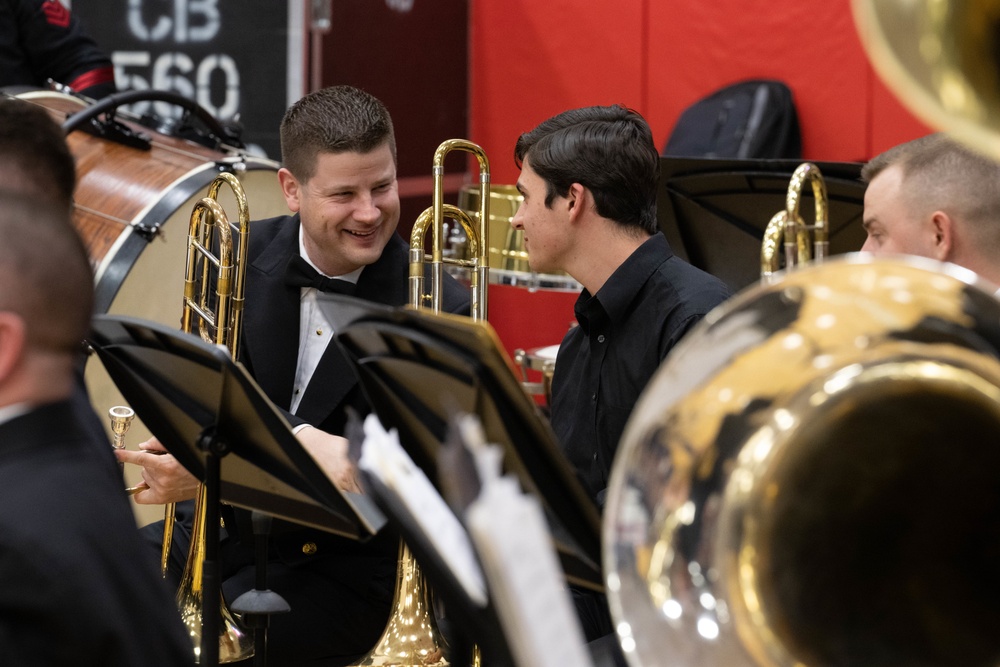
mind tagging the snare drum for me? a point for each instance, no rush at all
(132, 209)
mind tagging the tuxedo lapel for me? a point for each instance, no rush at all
(271, 319)
(332, 380)
(383, 282)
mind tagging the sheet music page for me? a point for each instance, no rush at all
(534, 605)
(383, 456)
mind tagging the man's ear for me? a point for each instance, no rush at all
(12, 343)
(576, 198)
(290, 188)
(943, 228)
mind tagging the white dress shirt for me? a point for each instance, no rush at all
(317, 323)
(13, 411)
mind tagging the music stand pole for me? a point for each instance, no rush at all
(260, 603)
(215, 448)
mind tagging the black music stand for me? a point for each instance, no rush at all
(419, 369)
(205, 407)
(713, 211)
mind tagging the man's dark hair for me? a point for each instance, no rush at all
(338, 119)
(609, 150)
(38, 237)
(33, 151)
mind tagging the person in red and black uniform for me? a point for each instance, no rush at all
(41, 40)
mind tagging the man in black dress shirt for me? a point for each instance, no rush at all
(589, 179)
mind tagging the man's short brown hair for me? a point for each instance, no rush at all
(338, 119)
(33, 151)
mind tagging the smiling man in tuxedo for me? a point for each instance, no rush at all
(339, 181)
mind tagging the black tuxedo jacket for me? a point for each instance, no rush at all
(270, 342)
(77, 587)
(269, 350)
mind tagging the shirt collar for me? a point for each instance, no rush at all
(618, 291)
(13, 411)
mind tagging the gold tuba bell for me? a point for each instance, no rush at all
(213, 308)
(810, 478)
(942, 59)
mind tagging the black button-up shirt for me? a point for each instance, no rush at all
(624, 332)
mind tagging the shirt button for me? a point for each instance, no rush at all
(593, 398)
(309, 548)
(600, 339)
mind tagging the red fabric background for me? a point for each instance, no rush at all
(530, 60)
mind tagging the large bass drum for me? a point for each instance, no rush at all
(132, 206)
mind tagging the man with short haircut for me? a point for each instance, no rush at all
(75, 584)
(933, 197)
(34, 156)
(339, 181)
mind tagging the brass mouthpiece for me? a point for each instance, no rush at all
(132, 490)
(121, 419)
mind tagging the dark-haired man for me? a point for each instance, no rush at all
(34, 157)
(589, 179)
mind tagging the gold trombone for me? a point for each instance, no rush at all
(221, 326)
(788, 228)
(411, 636)
(478, 236)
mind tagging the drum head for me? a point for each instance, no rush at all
(132, 208)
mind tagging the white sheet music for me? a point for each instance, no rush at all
(529, 592)
(384, 457)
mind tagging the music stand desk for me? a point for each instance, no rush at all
(211, 415)
(418, 369)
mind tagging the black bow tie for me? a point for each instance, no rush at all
(299, 273)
